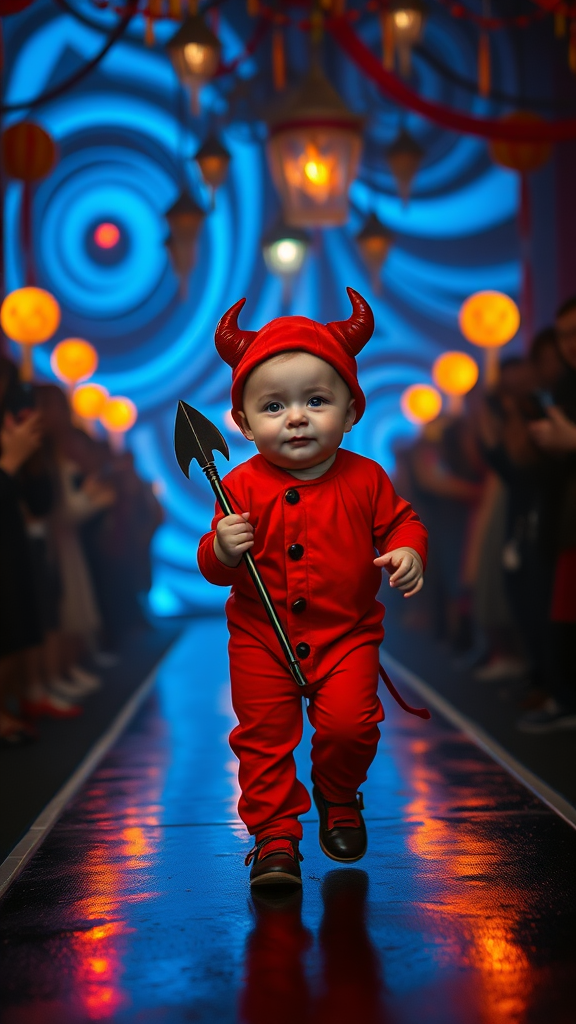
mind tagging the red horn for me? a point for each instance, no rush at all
(358, 329)
(231, 342)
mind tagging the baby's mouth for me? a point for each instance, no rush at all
(299, 442)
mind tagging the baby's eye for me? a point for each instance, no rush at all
(316, 401)
(273, 407)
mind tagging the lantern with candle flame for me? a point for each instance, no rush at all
(455, 373)
(74, 360)
(195, 53)
(29, 316)
(421, 403)
(374, 241)
(88, 401)
(313, 151)
(404, 157)
(185, 218)
(489, 319)
(213, 159)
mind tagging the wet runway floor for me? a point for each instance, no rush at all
(137, 908)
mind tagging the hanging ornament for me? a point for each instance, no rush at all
(29, 316)
(406, 22)
(195, 53)
(213, 159)
(374, 241)
(28, 154)
(490, 320)
(313, 152)
(278, 59)
(185, 218)
(404, 157)
(484, 65)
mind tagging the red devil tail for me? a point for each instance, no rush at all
(421, 712)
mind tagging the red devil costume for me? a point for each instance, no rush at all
(314, 544)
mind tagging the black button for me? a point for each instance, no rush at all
(292, 496)
(299, 605)
(295, 552)
(302, 650)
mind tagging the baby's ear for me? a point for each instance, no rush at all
(245, 426)
(350, 416)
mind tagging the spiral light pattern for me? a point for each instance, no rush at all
(121, 148)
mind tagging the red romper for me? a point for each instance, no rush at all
(314, 544)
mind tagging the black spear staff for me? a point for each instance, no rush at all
(195, 437)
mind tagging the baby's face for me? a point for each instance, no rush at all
(296, 410)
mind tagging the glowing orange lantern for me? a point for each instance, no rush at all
(28, 152)
(118, 415)
(29, 316)
(490, 320)
(313, 152)
(88, 401)
(455, 373)
(421, 403)
(520, 156)
(74, 360)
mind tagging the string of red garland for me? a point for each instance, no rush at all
(487, 128)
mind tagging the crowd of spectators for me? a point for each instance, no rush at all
(496, 486)
(76, 524)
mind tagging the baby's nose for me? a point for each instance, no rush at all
(296, 413)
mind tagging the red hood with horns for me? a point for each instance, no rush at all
(338, 343)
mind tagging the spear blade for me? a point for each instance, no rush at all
(195, 437)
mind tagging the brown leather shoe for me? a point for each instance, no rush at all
(342, 829)
(276, 861)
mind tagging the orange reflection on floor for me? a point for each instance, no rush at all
(470, 884)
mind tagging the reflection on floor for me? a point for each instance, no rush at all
(137, 907)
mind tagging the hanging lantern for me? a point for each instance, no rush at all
(284, 249)
(29, 316)
(313, 152)
(455, 373)
(118, 415)
(28, 152)
(489, 319)
(213, 159)
(185, 218)
(421, 403)
(88, 401)
(404, 157)
(520, 156)
(74, 360)
(374, 241)
(195, 54)
(407, 26)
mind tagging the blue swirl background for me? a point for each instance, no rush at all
(123, 151)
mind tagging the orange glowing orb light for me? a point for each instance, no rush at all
(455, 373)
(421, 403)
(88, 401)
(74, 360)
(490, 320)
(107, 235)
(29, 316)
(118, 415)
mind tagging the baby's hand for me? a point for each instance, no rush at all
(234, 536)
(405, 568)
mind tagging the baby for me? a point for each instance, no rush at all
(313, 516)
